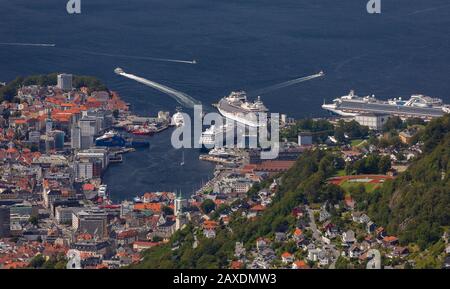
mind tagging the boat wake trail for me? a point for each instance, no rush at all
(180, 97)
(285, 84)
(428, 10)
(28, 44)
(138, 57)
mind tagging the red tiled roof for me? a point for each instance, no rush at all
(127, 234)
(88, 187)
(208, 225)
(298, 232)
(275, 166)
(20, 121)
(146, 244)
(390, 239)
(257, 208)
(301, 265)
(155, 207)
(236, 265)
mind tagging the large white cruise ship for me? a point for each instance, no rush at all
(238, 108)
(418, 105)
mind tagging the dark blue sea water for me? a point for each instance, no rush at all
(239, 44)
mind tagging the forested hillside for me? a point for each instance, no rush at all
(416, 205)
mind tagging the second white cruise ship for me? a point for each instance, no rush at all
(417, 106)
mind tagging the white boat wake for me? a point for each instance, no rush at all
(28, 44)
(285, 84)
(138, 57)
(180, 97)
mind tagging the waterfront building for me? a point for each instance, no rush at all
(64, 81)
(374, 121)
(95, 156)
(84, 170)
(103, 119)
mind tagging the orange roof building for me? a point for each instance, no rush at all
(155, 207)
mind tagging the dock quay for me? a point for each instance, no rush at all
(124, 151)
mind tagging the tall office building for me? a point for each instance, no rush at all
(58, 136)
(88, 127)
(104, 118)
(65, 81)
(75, 137)
(48, 122)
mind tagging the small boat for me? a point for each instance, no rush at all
(118, 70)
(141, 131)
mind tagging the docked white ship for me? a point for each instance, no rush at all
(215, 133)
(238, 108)
(208, 137)
(418, 105)
(220, 152)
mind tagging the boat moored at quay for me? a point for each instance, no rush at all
(417, 106)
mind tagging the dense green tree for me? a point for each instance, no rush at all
(167, 210)
(393, 123)
(208, 206)
(384, 164)
(351, 128)
(342, 263)
(34, 220)
(37, 261)
(416, 205)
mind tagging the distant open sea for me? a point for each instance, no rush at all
(239, 44)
